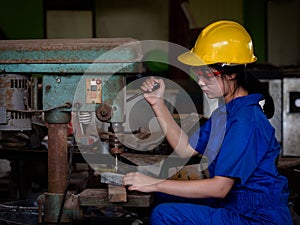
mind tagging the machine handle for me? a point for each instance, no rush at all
(155, 87)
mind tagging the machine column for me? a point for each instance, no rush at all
(57, 158)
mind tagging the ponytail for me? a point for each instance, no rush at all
(250, 83)
(255, 86)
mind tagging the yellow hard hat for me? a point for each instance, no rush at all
(225, 42)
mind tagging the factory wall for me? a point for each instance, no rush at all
(206, 11)
(143, 20)
(284, 32)
(72, 24)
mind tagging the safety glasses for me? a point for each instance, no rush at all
(206, 72)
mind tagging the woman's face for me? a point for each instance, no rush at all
(210, 81)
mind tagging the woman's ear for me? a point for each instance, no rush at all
(231, 76)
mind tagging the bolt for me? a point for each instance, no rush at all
(104, 112)
(48, 87)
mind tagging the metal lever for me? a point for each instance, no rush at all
(155, 87)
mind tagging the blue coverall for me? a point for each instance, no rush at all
(240, 143)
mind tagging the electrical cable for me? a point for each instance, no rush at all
(66, 105)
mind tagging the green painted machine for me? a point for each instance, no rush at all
(66, 81)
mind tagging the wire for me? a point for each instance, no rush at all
(66, 105)
(11, 222)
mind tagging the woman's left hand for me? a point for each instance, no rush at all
(139, 182)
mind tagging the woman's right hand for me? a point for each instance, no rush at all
(156, 96)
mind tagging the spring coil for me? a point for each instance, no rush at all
(85, 117)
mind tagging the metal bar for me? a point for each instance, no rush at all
(104, 50)
(34, 99)
(74, 68)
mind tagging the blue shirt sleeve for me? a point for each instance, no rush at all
(239, 154)
(200, 137)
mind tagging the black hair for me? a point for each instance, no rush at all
(253, 85)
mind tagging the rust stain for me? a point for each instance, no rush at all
(63, 44)
(68, 49)
(48, 87)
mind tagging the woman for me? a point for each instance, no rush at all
(244, 179)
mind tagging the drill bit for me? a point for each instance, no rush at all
(155, 87)
(116, 164)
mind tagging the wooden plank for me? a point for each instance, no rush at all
(99, 198)
(288, 162)
(93, 197)
(117, 193)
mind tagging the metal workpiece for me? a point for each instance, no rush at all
(111, 178)
(71, 55)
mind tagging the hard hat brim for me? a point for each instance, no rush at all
(191, 59)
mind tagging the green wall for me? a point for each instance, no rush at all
(21, 19)
(255, 21)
